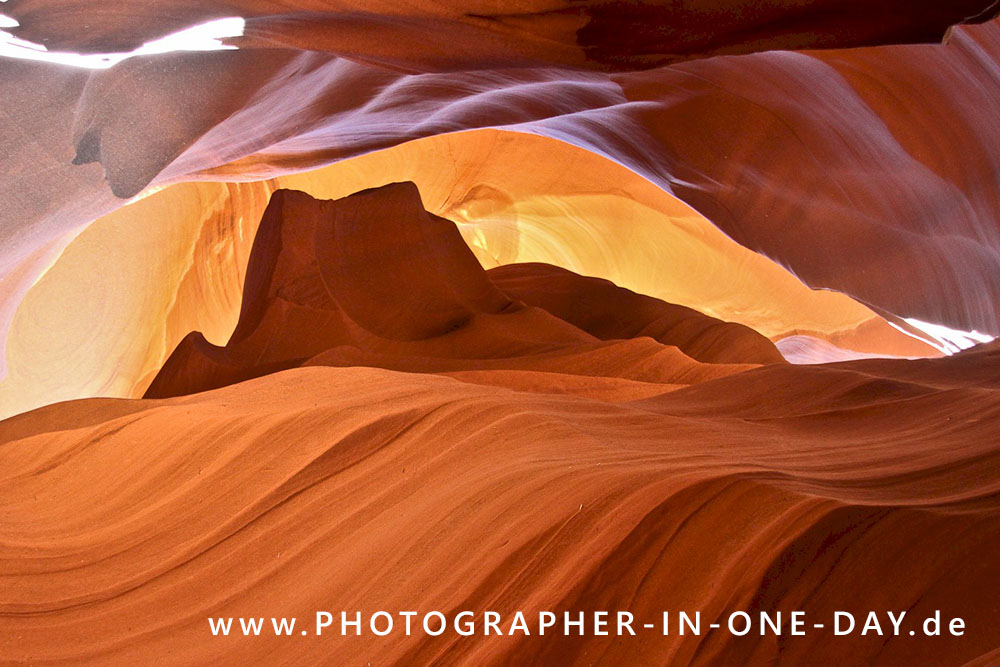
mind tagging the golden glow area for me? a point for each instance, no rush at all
(102, 319)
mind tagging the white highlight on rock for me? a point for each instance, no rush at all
(950, 341)
(203, 37)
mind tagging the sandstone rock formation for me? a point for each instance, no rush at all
(490, 306)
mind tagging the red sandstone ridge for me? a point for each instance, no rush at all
(607, 311)
(127, 524)
(373, 279)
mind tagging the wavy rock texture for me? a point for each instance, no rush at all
(804, 157)
(601, 34)
(665, 482)
(319, 488)
(445, 306)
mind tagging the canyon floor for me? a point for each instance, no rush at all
(392, 427)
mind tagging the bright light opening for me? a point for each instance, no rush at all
(950, 341)
(204, 37)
